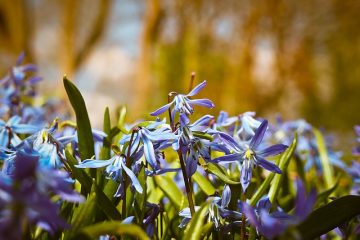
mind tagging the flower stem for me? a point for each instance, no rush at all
(126, 180)
(182, 163)
(243, 221)
(187, 184)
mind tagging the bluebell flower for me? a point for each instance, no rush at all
(249, 156)
(114, 169)
(183, 104)
(16, 85)
(26, 191)
(272, 224)
(156, 132)
(217, 211)
(248, 125)
(13, 126)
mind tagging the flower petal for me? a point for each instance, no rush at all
(267, 165)
(273, 150)
(202, 102)
(197, 89)
(259, 135)
(149, 151)
(228, 158)
(133, 178)
(90, 163)
(161, 109)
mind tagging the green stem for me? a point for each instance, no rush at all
(243, 220)
(187, 184)
(126, 180)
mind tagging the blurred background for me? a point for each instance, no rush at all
(293, 58)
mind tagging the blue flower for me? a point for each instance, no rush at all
(249, 156)
(216, 212)
(114, 167)
(272, 224)
(183, 104)
(9, 129)
(157, 132)
(26, 195)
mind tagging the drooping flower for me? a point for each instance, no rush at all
(272, 224)
(114, 169)
(248, 156)
(156, 132)
(217, 211)
(183, 104)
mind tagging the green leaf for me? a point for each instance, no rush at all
(114, 228)
(105, 150)
(328, 217)
(324, 196)
(86, 142)
(204, 184)
(79, 174)
(219, 172)
(168, 186)
(262, 190)
(194, 228)
(202, 135)
(83, 216)
(324, 159)
(283, 164)
(140, 198)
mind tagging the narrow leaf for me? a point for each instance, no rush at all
(324, 159)
(204, 184)
(283, 164)
(168, 186)
(328, 217)
(220, 173)
(85, 137)
(195, 227)
(114, 228)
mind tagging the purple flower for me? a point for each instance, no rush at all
(9, 129)
(156, 132)
(26, 193)
(114, 169)
(183, 104)
(248, 156)
(272, 224)
(216, 212)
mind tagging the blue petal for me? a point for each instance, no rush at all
(149, 151)
(133, 178)
(267, 165)
(226, 196)
(90, 163)
(245, 178)
(273, 150)
(229, 158)
(197, 89)
(250, 214)
(14, 120)
(4, 138)
(161, 109)
(202, 102)
(25, 128)
(128, 220)
(259, 135)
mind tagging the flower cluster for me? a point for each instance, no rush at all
(238, 177)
